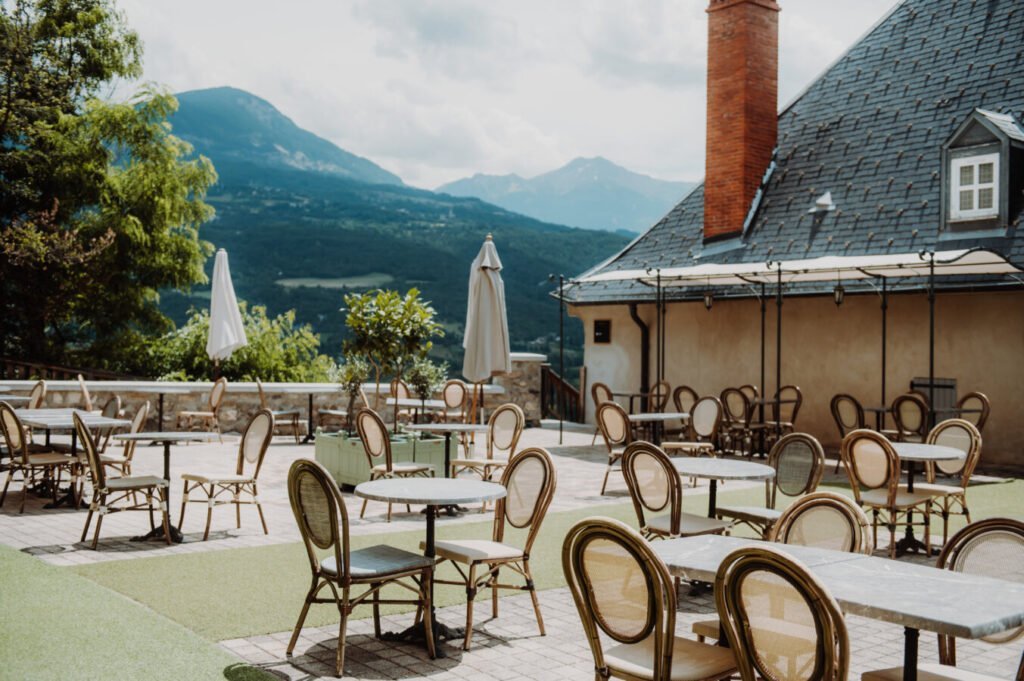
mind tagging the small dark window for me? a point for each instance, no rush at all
(602, 331)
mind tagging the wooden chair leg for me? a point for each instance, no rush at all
(470, 597)
(10, 474)
(301, 620)
(426, 579)
(88, 521)
(533, 596)
(238, 508)
(605, 483)
(376, 610)
(165, 512)
(184, 501)
(99, 520)
(209, 512)
(340, 659)
(259, 509)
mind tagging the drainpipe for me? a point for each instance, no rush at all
(645, 355)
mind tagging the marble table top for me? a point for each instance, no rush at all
(917, 596)
(447, 427)
(59, 419)
(659, 416)
(915, 451)
(722, 469)
(415, 403)
(430, 491)
(169, 436)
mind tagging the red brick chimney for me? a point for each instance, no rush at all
(742, 121)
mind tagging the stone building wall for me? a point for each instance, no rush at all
(522, 386)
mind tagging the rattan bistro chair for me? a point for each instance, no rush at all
(799, 462)
(617, 432)
(990, 548)
(28, 459)
(659, 396)
(848, 414)
(454, 394)
(206, 420)
(824, 520)
(784, 412)
(655, 486)
(599, 394)
(111, 495)
(504, 429)
(705, 421)
(323, 523)
(779, 619)
(37, 396)
(952, 498)
(735, 429)
(625, 596)
(910, 412)
(122, 463)
(874, 471)
(684, 397)
(979, 407)
(530, 481)
(377, 446)
(283, 418)
(217, 488)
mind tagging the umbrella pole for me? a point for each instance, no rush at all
(472, 411)
(885, 307)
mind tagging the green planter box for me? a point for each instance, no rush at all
(345, 459)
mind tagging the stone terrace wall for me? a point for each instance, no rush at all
(522, 386)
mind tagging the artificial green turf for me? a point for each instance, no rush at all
(242, 592)
(47, 612)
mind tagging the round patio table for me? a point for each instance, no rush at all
(911, 453)
(431, 492)
(166, 439)
(656, 421)
(715, 469)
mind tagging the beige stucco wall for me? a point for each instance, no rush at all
(979, 342)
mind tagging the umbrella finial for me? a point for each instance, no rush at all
(489, 237)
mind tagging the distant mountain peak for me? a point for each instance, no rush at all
(589, 192)
(229, 123)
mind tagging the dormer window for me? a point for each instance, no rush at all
(982, 175)
(975, 191)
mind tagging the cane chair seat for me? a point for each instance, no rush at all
(691, 660)
(48, 459)
(197, 414)
(135, 482)
(470, 550)
(690, 524)
(229, 488)
(114, 459)
(403, 468)
(751, 514)
(903, 499)
(937, 490)
(378, 561)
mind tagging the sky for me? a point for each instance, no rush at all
(437, 90)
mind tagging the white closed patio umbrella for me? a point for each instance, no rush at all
(486, 338)
(227, 333)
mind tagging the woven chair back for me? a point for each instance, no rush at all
(962, 435)
(454, 394)
(37, 396)
(684, 397)
(799, 461)
(399, 390)
(706, 417)
(97, 472)
(736, 405)
(263, 396)
(220, 386)
(780, 620)
(613, 422)
(530, 480)
(847, 412)
(910, 412)
(653, 482)
(620, 587)
(600, 393)
(787, 411)
(13, 432)
(138, 423)
(87, 404)
(750, 391)
(320, 514)
(659, 396)
(871, 462)
(825, 520)
(254, 443)
(111, 409)
(993, 547)
(503, 430)
(374, 435)
(978, 406)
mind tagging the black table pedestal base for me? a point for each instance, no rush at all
(157, 534)
(415, 634)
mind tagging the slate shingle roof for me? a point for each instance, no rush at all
(870, 130)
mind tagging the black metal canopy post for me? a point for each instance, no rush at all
(561, 351)
(760, 406)
(778, 352)
(885, 308)
(931, 339)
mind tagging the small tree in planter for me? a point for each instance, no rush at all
(390, 330)
(426, 378)
(352, 374)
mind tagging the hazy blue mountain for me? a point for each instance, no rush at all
(592, 193)
(228, 123)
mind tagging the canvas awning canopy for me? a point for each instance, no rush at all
(962, 262)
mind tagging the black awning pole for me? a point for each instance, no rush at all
(931, 340)
(760, 406)
(885, 307)
(778, 354)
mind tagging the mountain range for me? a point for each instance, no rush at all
(593, 193)
(305, 222)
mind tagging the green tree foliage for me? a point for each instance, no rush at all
(277, 351)
(390, 330)
(425, 377)
(352, 374)
(99, 205)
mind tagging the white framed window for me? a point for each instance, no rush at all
(974, 187)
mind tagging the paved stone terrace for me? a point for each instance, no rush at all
(507, 647)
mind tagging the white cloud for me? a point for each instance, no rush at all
(438, 89)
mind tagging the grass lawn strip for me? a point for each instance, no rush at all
(48, 613)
